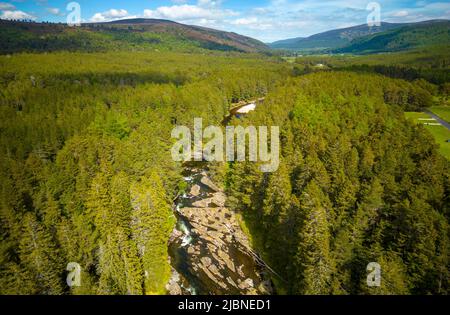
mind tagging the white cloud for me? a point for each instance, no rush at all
(209, 3)
(98, 17)
(178, 12)
(254, 23)
(109, 15)
(16, 15)
(113, 13)
(6, 6)
(189, 12)
(245, 21)
(54, 11)
(427, 11)
(278, 19)
(401, 13)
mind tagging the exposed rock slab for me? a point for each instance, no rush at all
(219, 256)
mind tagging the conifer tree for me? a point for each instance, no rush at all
(39, 256)
(313, 257)
(151, 224)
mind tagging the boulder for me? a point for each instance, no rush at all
(218, 199)
(195, 190)
(191, 250)
(204, 203)
(208, 182)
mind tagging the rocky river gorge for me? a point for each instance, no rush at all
(208, 250)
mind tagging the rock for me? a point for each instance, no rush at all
(207, 182)
(218, 199)
(224, 256)
(230, 281)
(207, 238)
(213, 268)
(240, 272)
(173, 288)
(191, 250)
(218, 242)
(199, 226)
(204, 203)
(195, 190)
(206, 261)
(218, 236)
(246, 284)
(209, 274)
(215, 235)
(219, 260)
(175, 235)
(211, 247)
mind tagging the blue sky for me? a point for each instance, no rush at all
(267, 20)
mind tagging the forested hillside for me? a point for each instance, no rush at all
(403, 38)
(357, 183)
(431, 64)
(123, 35)
(85, 165)
(364, 39)
(332, 39)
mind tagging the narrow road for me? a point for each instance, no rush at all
(438, 119)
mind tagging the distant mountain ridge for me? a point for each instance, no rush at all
(128, 34)
(202, 34)
(429, 33)
(339, 38)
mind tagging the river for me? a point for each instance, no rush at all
(209, 253)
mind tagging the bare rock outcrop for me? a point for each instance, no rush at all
(220, 254)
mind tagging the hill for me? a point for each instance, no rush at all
(362, 38)
(407, 37)
(333, 38)
(286, 43)
(132, 34)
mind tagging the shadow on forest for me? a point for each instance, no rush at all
(116, 78)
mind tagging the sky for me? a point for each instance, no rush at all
(266, 20)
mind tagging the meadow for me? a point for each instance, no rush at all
(440, 133)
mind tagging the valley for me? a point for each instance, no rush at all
(88, 176)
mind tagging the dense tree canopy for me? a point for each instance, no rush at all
(86, 174)
(358, 184)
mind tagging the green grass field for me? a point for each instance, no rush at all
(442, 111)
(440, 133)
(289, 59)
